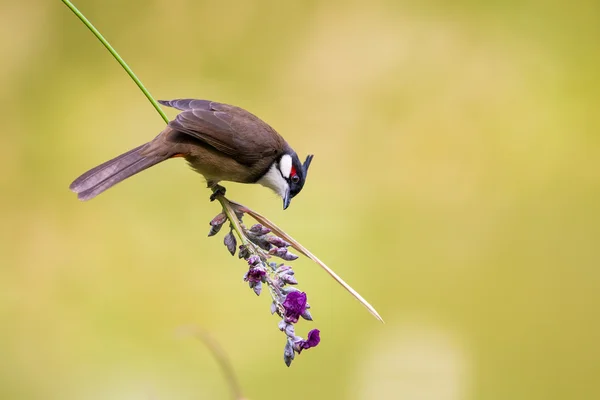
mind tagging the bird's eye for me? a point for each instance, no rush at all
(295, 179)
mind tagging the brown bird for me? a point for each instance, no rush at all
(220, 141)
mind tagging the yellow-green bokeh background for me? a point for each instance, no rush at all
(455, 184)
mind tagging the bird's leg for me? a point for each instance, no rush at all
(216, 189)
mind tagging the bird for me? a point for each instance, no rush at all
(222, 142)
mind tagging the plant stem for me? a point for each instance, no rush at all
(219, 355)
(117, 57)
(231, 215)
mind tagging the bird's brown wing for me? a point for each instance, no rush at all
(229, 129)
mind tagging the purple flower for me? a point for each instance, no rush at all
(255, 274)
(294, 305)
(313, 339)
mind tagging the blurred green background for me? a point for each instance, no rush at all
(455, 184)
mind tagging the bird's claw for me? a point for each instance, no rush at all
(217, 190)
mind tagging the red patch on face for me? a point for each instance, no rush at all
(293, 172)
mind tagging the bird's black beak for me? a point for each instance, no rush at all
(287, 199)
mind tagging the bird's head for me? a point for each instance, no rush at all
(286, 176)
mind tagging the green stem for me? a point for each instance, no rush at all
(117, 57)
(232, 218)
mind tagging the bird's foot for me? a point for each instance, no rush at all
(217, 190)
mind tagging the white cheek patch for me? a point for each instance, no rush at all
(273, 180)
(285, 165)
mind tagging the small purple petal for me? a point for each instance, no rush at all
(313, 339)
(273, 308)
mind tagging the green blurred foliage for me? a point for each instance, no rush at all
(455, 185)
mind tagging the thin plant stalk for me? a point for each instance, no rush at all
(117, 57)
(220, 356)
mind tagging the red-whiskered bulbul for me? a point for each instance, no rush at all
(220, 141)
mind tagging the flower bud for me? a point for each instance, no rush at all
(216, 224)
(289, 331)
(285, 268)
(253, 260)
(289, 256)
(289, 289)
(278, 251)
(306, 315)
(257, 288)
(289, 279)
(259, 230)
(230, 242)
(288, 353)
(282, 324)
(260, 242)
(277, 241)
(214, 230)
(219, 220)
(244, 252)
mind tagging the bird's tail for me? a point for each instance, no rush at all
(105, 176)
